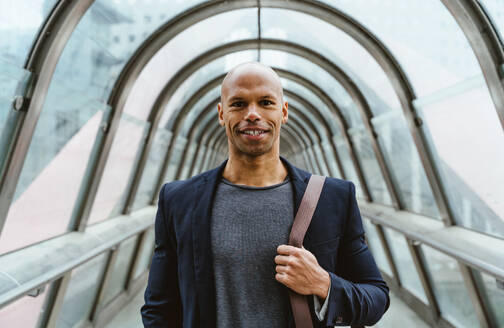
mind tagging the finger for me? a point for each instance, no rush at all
(287, 249)
(281, 277)
(282, 259)
(281, 269)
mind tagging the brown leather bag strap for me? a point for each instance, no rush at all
(299, 303)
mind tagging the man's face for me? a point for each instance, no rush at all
(252, 110)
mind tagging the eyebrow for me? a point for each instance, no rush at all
(237, 98)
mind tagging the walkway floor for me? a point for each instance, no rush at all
(398, 315)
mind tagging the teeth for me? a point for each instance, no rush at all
(253, 133)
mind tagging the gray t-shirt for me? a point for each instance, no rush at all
(248, 223)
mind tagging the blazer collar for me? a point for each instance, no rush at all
(205, 193)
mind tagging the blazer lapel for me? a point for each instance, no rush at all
(201, 217)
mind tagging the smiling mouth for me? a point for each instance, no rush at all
(253, 132)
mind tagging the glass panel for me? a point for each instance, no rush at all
(198, 108)
(24, 312)
(152, 168)
(190, 154)
(201, 77)
(494, 291)
(370, 167)
(119, 274)
(402, 158)
(54, 169)
(313, 72)
(348, 165)
(405, 265)
(328, 149)
(495, 10)
(315, 101)
(104, 40)
(13, 82)
(200, 37)
(145, 254)
(376, 248)
(20, 22)
(81, 292)
(342, 50)
(467, 140)
(449, 288)
(176, 158)
(422, 35)
(122, 160)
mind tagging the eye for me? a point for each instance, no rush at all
(238, 104)
(266, 102)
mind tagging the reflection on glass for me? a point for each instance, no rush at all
(405, 265)
(449, 289)
(370, 167)
(53, 170)
(145, 254)
(402, 158)
(20, 22)
(422, 35)
(375, 246)
(464, 132)
(24, 312)
(342, 50)
(494, 292)
(120, 271)
(124, 155)
(152, 168)
(81, 292)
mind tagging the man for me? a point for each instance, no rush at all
(221, 257)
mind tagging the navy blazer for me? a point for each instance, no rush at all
(181, 291)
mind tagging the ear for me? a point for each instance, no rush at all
(285, 112)
(220, 111)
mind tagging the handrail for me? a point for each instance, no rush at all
(478, 250)
(32, 267)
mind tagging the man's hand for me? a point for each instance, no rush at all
(298, 269)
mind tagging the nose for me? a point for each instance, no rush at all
(252, 113)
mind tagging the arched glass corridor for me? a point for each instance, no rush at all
(103, 101)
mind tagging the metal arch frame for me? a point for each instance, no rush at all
(485, 44)
(289, 47)
(330, 15)
(42, 62)
(312, 115)
(205, 119)
(214, 83)
(340, 120)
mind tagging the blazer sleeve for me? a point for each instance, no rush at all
(163, 305)
(359, 296)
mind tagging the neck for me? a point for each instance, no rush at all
(259, 171)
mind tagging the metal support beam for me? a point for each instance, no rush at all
(44, 57)
(484, 41)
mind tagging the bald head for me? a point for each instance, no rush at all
(250, 74)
